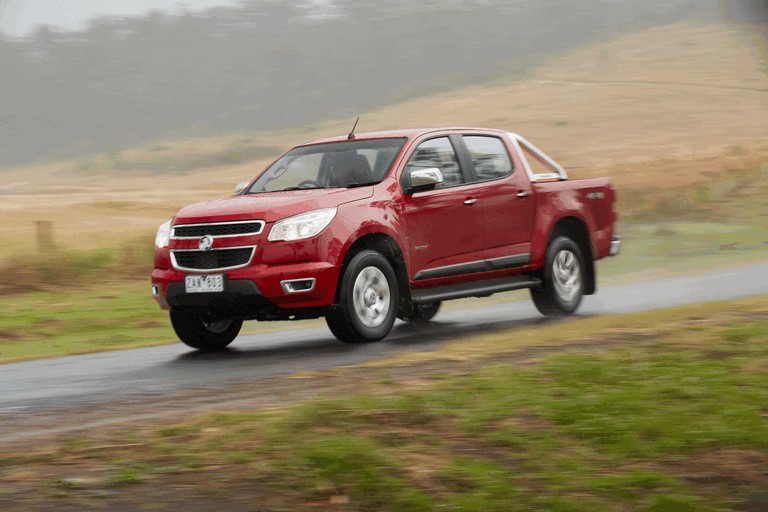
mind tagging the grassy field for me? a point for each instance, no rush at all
(649, 412)
(670, 106)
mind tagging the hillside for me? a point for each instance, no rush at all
(272, 64)
(669, 105)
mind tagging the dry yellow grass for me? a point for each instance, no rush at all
(666, 106)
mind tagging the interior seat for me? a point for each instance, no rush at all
(349, 167)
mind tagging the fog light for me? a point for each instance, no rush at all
(615, 245)
(155, 291)
(298, 285)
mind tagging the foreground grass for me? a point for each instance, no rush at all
(642, 412)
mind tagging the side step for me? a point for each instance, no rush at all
(473, 289)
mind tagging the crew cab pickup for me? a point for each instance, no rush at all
(364, 229)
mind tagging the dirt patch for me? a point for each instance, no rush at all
(527, 422)
(206, 489)
(152, 324)
(10, 335)
(724, 466)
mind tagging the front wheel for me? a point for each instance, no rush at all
(368, 300)
(563, 279)
(204, 331)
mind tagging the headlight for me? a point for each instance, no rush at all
(302, 226)
(163, 235)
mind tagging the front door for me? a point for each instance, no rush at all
(445, 226)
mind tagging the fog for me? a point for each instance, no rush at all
(272, 64)
(20, 18)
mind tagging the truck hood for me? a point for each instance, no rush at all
(269, 206)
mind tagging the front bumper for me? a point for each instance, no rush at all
(615, 245)
(254, 287)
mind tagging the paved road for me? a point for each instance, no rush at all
(65, 382)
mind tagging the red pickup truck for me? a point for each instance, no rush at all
(364, 229)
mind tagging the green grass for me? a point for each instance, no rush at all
(119, 315)
(42, 324)
(674, 248)
(675, 421)
(124, 473)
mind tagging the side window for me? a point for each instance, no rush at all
(489, 157)
(437, 153)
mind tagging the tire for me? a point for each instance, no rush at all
(423, 313)
(563, 279)
(368, 300)
(199, 329)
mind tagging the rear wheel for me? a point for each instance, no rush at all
(200, 329)
(368, 300)
(563, 279)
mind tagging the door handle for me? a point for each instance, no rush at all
(470, 202)
(524, 193)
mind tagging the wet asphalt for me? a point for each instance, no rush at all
(109, 377)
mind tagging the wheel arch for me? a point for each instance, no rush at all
(575, 229)
(389, 248)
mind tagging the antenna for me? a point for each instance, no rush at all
(352, 133)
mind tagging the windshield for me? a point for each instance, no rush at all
(333, 165)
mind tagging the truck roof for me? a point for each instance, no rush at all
(409, 133)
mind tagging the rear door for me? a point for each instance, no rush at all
(505, 194)
(445, 226)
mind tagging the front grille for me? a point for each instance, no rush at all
(218, 229)
(218, 259)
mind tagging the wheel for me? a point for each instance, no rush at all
(201, 330)
(563, 279)
(368, 300)
(423, 313)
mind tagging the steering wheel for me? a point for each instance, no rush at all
(308, 182)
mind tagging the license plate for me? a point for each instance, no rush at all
(204, 284)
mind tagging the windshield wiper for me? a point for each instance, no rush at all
(300, 188)
(364, 184)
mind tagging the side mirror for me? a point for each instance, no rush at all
(241, 186)
(420, 180)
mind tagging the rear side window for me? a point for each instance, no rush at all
(489, 157)
(437, 153)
